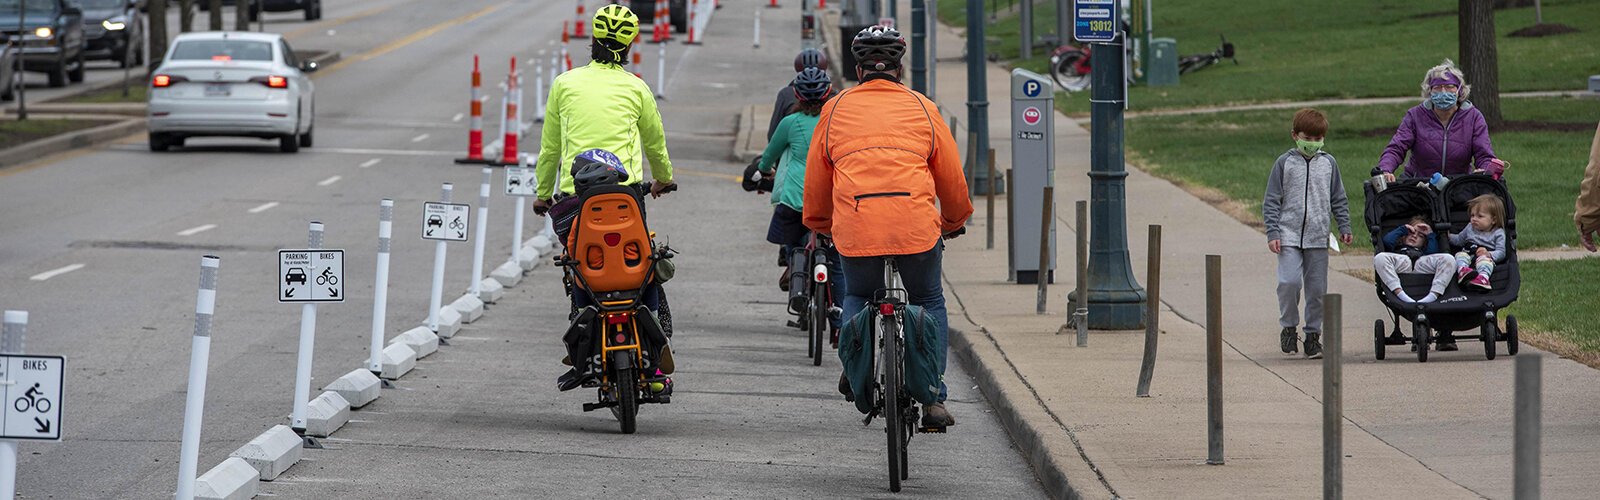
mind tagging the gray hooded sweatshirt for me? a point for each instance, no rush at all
(1301, 196)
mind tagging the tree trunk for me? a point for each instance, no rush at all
(241, 15)
(158, 33)
(1478, 57)
(216, 15)
(185, 15)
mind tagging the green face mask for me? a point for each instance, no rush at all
(1308, 148)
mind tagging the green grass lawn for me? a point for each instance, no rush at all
(137, 92)
(1291, 51)
(14, 132)
(1557, 302)
(1232, 152)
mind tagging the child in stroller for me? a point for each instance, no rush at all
(1413, 247)
(1457, 308)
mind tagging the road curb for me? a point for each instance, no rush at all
(422, 342)
(490, 290)
(62, 143)
(508, 274)
(359, 387)
(1062, 477)
(233, 479)
(449, 323)
(399, 358)
(751, 139)
(469, 307)
(273, 452)
(326, 414)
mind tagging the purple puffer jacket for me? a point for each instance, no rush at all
(1434, 150)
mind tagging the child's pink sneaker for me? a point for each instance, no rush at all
(1480, 281)
(1465, 274)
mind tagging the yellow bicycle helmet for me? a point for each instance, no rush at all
(616, 23)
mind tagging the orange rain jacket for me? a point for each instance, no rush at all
(880, 157)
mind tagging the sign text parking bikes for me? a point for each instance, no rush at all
(311, 275)
(445, 221)
(32, 396)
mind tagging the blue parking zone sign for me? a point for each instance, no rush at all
(1094, 20)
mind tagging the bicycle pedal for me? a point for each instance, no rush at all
(796, 325)
(929, 429)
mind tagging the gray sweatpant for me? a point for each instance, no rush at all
(1302, 268)
(1388, 267)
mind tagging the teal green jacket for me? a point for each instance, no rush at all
(793, 137)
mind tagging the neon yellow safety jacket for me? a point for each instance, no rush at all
(600, 106)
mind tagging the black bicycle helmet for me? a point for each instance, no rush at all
(597, 167)
(810, 58)
(878, 48)
(812, 84)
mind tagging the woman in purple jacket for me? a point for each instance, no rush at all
(1445, 134)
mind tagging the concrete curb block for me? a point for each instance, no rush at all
(69, 141)
(233, 479)
(490, 291)
(399, 358)
(530, 258)
(470, 308)
(359, 387)
(1025, 434)
(422, 342)
(326, 414)
(541, 242)
(751, 138)
(507, 275)
(273, 452)
(449, 323)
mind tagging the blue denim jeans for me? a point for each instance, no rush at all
(920, 274)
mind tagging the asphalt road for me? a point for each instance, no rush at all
(481, 417)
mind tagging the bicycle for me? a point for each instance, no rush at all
(327, 277)
(813, 304)
(891, 400)
(1197, 62)
(31, 400)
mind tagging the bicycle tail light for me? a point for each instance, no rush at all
(886, 309)
(821, 274)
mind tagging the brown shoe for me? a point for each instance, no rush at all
(935, 415)
(783, 280)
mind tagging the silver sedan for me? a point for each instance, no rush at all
(237, 84)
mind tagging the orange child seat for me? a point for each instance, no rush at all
(610, 238)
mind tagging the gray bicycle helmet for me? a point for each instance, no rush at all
(810, 58)
(813, 84)
(878, 48)
(597, 167)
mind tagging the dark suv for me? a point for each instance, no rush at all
(114, 30)
(312, 8)
(51, 34)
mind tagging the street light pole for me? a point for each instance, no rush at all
(20, 77)
(919, 46)
(977, 94)
(1116, 302)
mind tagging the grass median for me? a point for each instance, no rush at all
(15, 132)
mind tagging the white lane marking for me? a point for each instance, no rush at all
(371, 162)
(197, 230)
(329, 181)
(264, 207)
(57, 272)
(391, 152)
(457, 117)
(420, 138)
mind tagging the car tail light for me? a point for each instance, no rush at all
(222, 57)
(274, 81)
(886, 309)
(821, 274)
(162, 81)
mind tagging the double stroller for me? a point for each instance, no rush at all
(1458, 310)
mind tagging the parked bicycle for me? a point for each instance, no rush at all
(1197, 62)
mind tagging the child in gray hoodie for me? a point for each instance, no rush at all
(1304, 195)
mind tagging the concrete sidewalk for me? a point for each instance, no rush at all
(1436, 430)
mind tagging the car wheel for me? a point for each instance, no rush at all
(314, 12)
(58, 74)
(158, 142)
(289, 143)
(305, 139)
(76, 74)
(9, 93)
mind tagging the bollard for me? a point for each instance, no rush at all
(520, 100)
(1332, 397)
(199, 361)
(1152, 323)
(988, 242)
(577, 23)
(1526, 419)
(1081, 312)
(11, 336)
(480, 229)
(1011, 228)
(308, 341)
(1214, 360)
(565, 56)
(661, 70)
(516, 224)
(380, 287)
(508, 148)
(538, 88)
(475, 125)
(436, 295)
(694, 5)
(757, 37)
(637, 58)
(1044, 245)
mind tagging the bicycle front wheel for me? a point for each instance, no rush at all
(893, 414)
(819, 327)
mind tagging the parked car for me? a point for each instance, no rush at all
(10, 78)
(51, 33)
(113, 29)
(312, 8)
(232, 84)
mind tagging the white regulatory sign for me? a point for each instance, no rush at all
(32, 396)
(445, 221)
(519, 181)
(310, 276)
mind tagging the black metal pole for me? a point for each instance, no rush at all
(1116, 302)
(977, 90)
(22, 78)
(919, 47)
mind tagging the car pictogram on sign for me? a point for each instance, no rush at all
(294, 275)
(435, 221)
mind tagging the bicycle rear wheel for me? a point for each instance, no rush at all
(819, 328)
(893, 417)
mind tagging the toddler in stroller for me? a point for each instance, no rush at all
(1455, 308)
(1413, 247)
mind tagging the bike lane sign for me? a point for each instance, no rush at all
(32, 394)
(520, 181)
(310, 276)
(445, 221)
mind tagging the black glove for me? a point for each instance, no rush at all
(956, 234)
(540, 207)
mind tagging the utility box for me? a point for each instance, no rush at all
(1162, 70)
(1594, 84)
(1033, 166)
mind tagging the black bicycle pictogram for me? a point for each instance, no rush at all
(457, 224)
(32, 400)
(327, 277)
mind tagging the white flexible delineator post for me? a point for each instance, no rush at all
(480, 231)
(538, 87)
(199, 364)
(517, 218)
(661, 70)
(380, 295)
(308, 341)
(436, 296)
(11, 336)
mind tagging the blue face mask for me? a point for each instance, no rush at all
(1442, 100)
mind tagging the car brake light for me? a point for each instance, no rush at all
(274, 81)
(161, 81)
(886, 309)
(222, 57)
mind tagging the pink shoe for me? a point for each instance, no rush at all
(1465, 274)
(1481, 281)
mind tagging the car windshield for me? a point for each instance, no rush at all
(34, 6)
(221, 50)
(97, 4)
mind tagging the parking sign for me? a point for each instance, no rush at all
(1094, 20)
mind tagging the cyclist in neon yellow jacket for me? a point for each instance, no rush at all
(602, 106)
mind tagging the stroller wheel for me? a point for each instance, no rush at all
(1421, 339)
(1378, 344)
(1489, 333)
(1511, 335)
